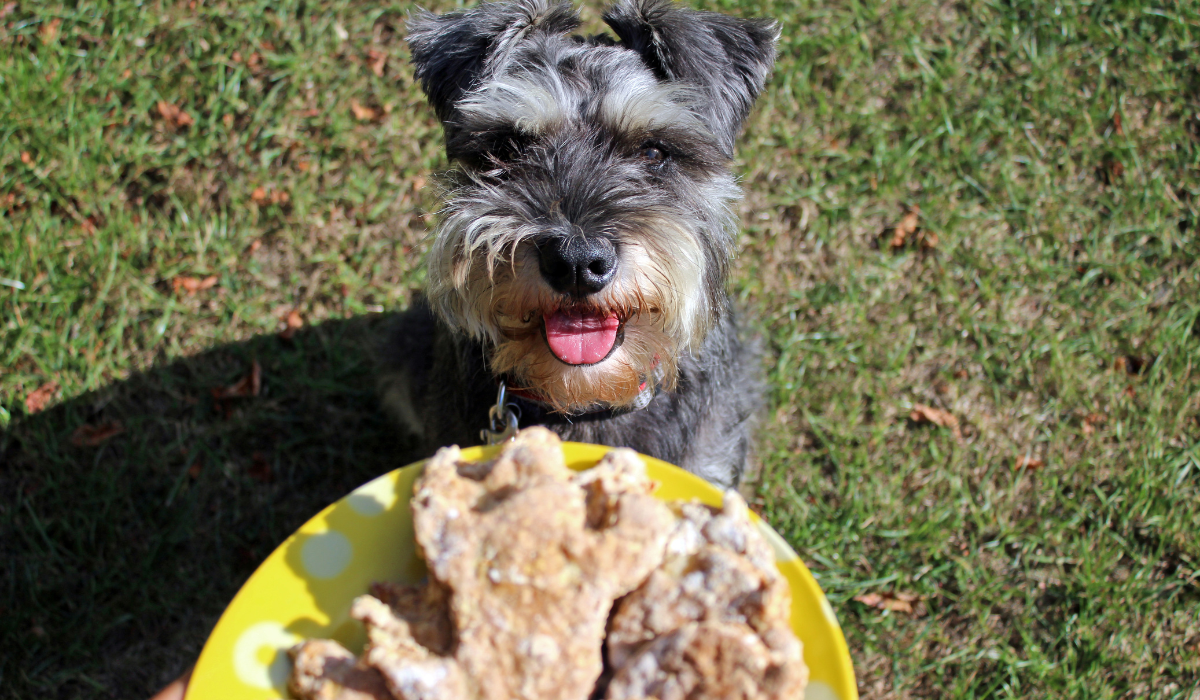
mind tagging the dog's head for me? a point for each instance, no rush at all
(588, 226)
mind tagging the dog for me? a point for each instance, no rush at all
(576, 278)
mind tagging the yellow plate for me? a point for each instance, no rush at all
(304, 589)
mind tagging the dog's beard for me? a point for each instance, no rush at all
(500, 296)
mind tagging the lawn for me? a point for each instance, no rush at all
(970, 248)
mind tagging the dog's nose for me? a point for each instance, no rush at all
(578, 265)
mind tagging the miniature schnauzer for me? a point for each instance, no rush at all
(580, 262)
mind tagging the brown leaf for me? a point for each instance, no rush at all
(1115, 169)
(262, 196)
(1029, 463)
(40, 397)
(248, 385)
(377, 60)
(260, 468)
(88, 435)
(174, 115)
(928, 414)
(1116, 120)
(293, 323)
(906, 227)
(1091, 420)
(254, 246)
(89, 225)
(363, 113)
(191, 285)
(48, 32)
(895, 602)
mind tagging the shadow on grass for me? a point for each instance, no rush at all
(118, 558)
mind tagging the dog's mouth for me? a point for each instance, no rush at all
(582, 337)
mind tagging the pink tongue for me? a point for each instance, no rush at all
(581, 339)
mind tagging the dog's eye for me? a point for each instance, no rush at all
(653, 154)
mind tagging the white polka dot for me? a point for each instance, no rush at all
(778, 545)
(326, 555)
(373, 497)
(273, 639)
(817, 690)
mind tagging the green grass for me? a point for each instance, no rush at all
(1065, 283)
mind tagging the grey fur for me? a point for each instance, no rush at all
(558, 137)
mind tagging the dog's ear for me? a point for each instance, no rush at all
(727, 58)
(452, 52)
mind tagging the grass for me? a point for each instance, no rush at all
(1053, 148)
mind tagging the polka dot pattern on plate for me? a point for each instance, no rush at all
(817, 690)
(309, 582)
(326, 555)
(260, 655)
(374, 497)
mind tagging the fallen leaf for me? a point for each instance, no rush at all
(260, 468)
(1129, 391)
(40, 397)
(363, 113)
(7, 9)
(377, 60)
(254, 246)
(249, 385)
(26, 158)
(1116, 120)
(928, 414)
(261, 196)
(293, 322)
(907, 603)
(88, 435)
(906, 227)
(89, 225)
(1029, 463)
(303, 165)
(927, 239)
(1091, 420)
(48, 32)
(191, 285)
(174, 115)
